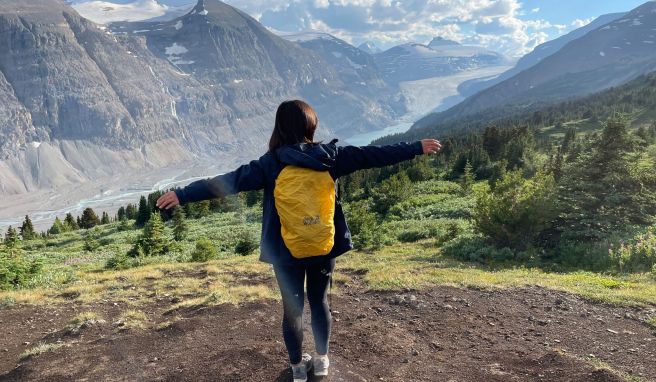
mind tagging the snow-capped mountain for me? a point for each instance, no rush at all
(413, 61)
(369, 47)
(610, 55)
(105, 12)
(355, 67)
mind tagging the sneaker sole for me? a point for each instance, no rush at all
(321, 373)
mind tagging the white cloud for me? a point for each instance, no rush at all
(578, 23)
(496, 24)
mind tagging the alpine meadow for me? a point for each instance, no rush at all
(167, 202)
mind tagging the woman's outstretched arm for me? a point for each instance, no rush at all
(248, 177)
(353, 158)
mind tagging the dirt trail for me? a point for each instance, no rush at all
(439, 334)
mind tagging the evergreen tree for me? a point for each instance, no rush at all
(90, 242)
(203, 208)
(70, 224)
(570, 137)
(599, 192)
(79, 222)
(121, 214)
(131, 211)
(467, 180)
(190, 209)
(11, 238)
(105, 218)
(57, 227)
(179, 225)
(253, 198)
(89, 218)
(143, 214)
(391, 191)
(27, 229)
(492, 142)
(154, 241)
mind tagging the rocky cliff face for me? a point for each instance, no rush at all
(209, 81)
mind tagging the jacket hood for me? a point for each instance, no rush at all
(320, 157)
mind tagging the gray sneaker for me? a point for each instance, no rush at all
(320, 365)
(300, 373)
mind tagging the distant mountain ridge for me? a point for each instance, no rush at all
(610, 55)
(538, 54)
(414, 61)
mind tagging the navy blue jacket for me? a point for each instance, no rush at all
(262, 173)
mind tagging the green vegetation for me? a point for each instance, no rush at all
(569, 205)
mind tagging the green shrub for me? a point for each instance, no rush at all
(120, 261)
(15, 271)
(475, 249)
(205, 250)
(247, 244)
(636, 256)
(362, 222)
(391, 191)
(517, 210)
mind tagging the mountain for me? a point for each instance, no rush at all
(82, 100)
(605, 57)
(636, 98)
(413, 61)
(354, 66)
(369, 47)
(104, 12)
(540, 52)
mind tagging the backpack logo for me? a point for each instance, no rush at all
(312, 220)
(305, 200)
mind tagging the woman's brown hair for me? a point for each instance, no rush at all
(296, 122)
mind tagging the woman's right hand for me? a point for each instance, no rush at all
(431, 146)
(167, 201)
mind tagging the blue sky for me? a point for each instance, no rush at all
(512, 27)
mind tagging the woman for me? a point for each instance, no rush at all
(292, 146)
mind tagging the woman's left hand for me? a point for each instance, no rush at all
(431, 146)
(168, 200)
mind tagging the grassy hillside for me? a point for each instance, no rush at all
(637, 99)
(412, 247)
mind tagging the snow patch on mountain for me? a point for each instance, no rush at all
(105, 12)
(174, 53)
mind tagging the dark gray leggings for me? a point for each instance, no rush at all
(291, 280)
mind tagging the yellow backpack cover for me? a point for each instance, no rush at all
(305, 200)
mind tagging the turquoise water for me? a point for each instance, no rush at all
(366, 138)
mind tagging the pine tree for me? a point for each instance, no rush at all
(120, 214)
(143, 214)
(154, 241)
(70, 224)
(90, 242)
(131, 212)
(179, 225)
(203, 208)
(105, 218)
(11, 238)
(599, 193)
(253, 198)
(57, 227)
(89, 218)
(27, 229)
(467, 180)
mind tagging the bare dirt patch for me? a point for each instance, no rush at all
(438, 334)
